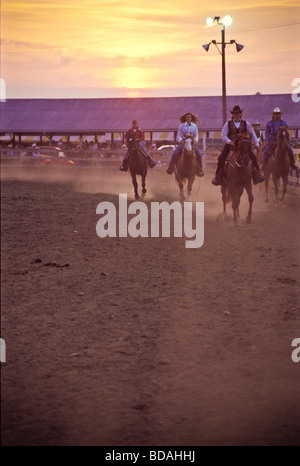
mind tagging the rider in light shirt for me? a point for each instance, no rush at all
(188, 127)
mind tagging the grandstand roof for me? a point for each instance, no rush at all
(90, 116)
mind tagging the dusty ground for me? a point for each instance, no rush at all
(142, 342)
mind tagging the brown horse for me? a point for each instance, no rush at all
(238, 176)
(137, 166)
(186, 168)
(278, 165)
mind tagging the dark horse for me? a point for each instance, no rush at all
(186, 168)
(238, 176)
(137, 166)
(278, 165)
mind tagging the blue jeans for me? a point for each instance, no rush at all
(177, 152)
(268, 147)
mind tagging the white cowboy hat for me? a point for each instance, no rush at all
(256, 122)
(277, 110)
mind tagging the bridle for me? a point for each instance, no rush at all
(238, 150)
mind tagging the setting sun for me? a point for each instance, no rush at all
(135, 78)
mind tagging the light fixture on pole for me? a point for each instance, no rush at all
(227, 21)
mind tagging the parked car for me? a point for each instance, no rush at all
(167, 147)
(48, 156)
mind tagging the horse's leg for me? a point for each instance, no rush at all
(251, 199)
(267, 188)
(144, 190)
(236, 202)
(135, 185)
(189, 187)
(284, 187)
(224, 199)
(276, 189)
(180, 184)
(234, 205)
(267, 179)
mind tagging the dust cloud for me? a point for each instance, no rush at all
(107, 179)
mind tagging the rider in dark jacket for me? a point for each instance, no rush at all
(136, 133)
(230, 130)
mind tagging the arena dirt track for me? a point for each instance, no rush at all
(142, 342)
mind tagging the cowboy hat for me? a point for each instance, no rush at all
(236, 109)
(256, 122)
(277, 110)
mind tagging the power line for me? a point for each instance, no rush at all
(264, 27)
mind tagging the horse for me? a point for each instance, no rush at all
(278, 165)
(259, 153)
(186, 168)
(238, 176)
(137, 165)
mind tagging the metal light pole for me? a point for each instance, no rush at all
(227, 20)
(223, 76)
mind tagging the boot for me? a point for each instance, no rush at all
(257, 176)
(124, 166)
(200, 172)
(217, 181)
(292, 162)
(151, 162)
(170, 169)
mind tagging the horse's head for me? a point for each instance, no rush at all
(132, 144)
(188, 146)
(283, 136)
(242, 148)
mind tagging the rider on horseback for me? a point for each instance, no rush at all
(271, 138)
(135, 133)
(258, 132)
(187, 128)
(229, 132)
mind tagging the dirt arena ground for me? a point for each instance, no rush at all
(142, 342)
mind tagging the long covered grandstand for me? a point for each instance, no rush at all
(108, 119)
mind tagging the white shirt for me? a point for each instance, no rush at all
(237, 125)
(185, 129)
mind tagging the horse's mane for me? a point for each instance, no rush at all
(195, 118)
(238, 139)
(283, 132)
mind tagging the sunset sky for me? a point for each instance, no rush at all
(117, 48)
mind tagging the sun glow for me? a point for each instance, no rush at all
(133, 77)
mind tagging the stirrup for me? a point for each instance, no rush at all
(123, 168)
